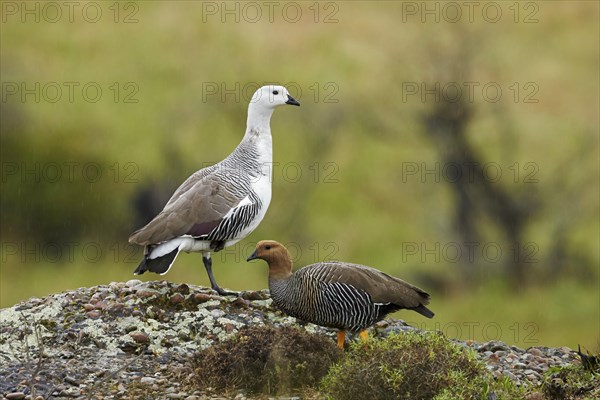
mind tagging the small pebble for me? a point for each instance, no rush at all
(177, 298)
(100, 305)
(532, 378)
(15, 396)
(116, 307)
(140, 337)
(535, 351)
(254, 295)
(116, 285)
(71, 380)
(509, 374)
(201, 297)
(133, 282)
(240, 302)
(529, 372)
(151, 312)
(566, 350)
(183, 289)
(145, 293)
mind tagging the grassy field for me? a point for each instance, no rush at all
(175, 78)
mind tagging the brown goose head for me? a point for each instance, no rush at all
(276, 255)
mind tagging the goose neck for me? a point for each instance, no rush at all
(259, 119)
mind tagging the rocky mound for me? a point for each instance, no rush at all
(113, 341)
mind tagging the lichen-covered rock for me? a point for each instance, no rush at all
(86, 335)
(165, 318)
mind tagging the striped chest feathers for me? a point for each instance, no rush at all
(332, 304)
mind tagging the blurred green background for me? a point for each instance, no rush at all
(454, 146)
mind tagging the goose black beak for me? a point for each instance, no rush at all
(253, 255)
(292, 101)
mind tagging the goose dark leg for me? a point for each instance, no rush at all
(208, 265)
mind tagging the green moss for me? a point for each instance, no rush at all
(413, 366)
(48, 324)
(266, 360)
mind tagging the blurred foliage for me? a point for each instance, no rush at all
(354, 199)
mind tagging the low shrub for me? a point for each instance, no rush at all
(413, 366)
(571, 382)
(266, 360)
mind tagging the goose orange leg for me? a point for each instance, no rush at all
(364, 335)
(341, 337)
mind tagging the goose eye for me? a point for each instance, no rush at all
(275, 92)
(268, 247)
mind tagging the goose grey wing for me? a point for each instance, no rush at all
(196, 208)
(382, 288)
(191, 181)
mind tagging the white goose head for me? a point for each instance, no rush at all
(272, 96)
(263, 103)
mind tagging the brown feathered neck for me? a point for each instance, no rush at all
(277, 256)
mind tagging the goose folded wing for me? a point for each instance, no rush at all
(382, 288)
(207, 173)
(194, 212)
